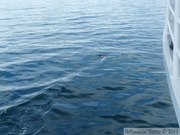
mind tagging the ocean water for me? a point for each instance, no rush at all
(82, 67)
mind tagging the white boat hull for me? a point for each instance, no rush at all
(173, 88)
(173, 81)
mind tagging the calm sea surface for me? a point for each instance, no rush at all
(82, 67)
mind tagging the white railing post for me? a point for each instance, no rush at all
(166, 30)
(176, 59)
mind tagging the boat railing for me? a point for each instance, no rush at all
(173, 27)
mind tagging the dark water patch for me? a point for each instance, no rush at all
(118, 118)
(175, 125)
(125, 120)
(69, 96)
(140, 121)
(65, 90)
(86, 95)
(108, 133)
(78, 127)
(118, 88)
(60, 112)
(6, 74)
(159, 105)
(79, 96)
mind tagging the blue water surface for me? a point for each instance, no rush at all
(82, 67)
